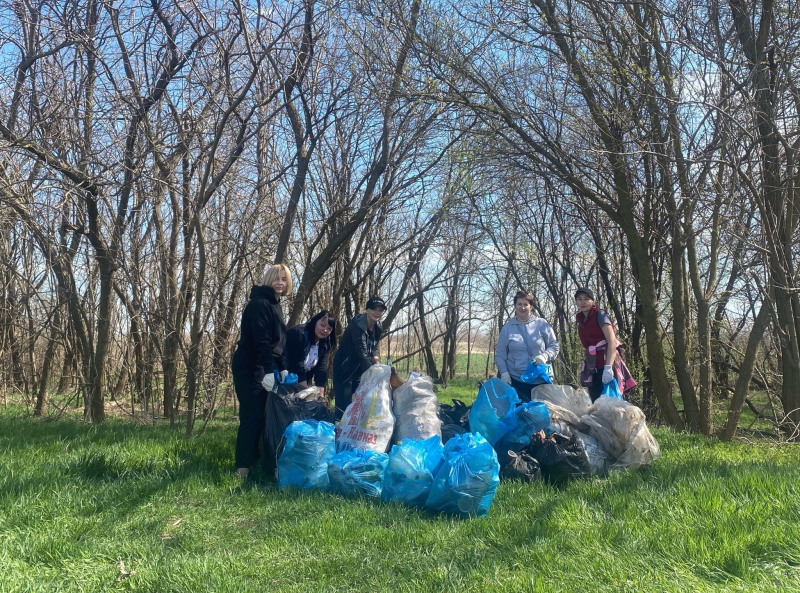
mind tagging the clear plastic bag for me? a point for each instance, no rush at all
(576, 401)
(563, 420)
(416, 410)
(621, 429)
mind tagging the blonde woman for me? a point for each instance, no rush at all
(258, 353)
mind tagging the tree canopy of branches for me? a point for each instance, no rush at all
(158, 154)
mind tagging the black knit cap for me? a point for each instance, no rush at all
(585, 291)
(375, 303)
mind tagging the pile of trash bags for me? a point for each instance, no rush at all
(560, 429)
(399, 444)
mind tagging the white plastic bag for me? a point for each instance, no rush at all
(576, 401)
(563, 420)
(308, 394)
(368, 422)
(416, 410)
(621, 429)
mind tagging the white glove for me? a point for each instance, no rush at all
(541, 359)
(268, 382)
(505, 377)
(608, 374)
(283, 375)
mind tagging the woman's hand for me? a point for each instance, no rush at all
(268, 382)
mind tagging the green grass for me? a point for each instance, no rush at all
(76, 500)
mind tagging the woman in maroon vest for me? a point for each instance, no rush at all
(602, 362)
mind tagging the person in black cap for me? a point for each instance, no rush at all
(357, 352)
(603, 361)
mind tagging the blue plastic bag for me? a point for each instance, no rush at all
(409, 474)
(467, 479)
(291, 378)
(531, 418)
(611, 389)
(310, 445)
(492, 414)
(536, 374)
(357, 472)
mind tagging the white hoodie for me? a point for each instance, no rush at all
(512, 355)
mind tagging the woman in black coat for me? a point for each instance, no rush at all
(259, 353)
(307, 349)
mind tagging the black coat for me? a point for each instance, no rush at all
(260, 347)
(357, 347)
(298, 343)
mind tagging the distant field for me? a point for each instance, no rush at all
(477, 364)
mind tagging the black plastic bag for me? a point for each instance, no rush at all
(282, 410)
(561, 459)
(451, 430)
(520, 466)
(457, 414)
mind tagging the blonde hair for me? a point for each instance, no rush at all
(271, 274)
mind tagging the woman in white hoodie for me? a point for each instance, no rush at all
(524, 338)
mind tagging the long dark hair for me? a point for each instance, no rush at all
(312, 324)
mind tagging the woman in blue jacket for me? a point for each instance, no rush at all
(523, 339)
(307, 349)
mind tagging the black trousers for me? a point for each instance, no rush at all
(596, 388)
(343, 391)
(523, 389)
(252, 404)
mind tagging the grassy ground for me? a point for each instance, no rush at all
(119, 507)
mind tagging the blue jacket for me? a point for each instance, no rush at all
(512, 355)
(298, 343)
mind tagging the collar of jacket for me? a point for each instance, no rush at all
(264, 292)
(580, 318)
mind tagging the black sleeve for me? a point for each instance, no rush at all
(361, 348)
(266, 335)
(378, 334)
(293, 353)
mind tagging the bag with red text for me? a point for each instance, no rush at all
(368, 422)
